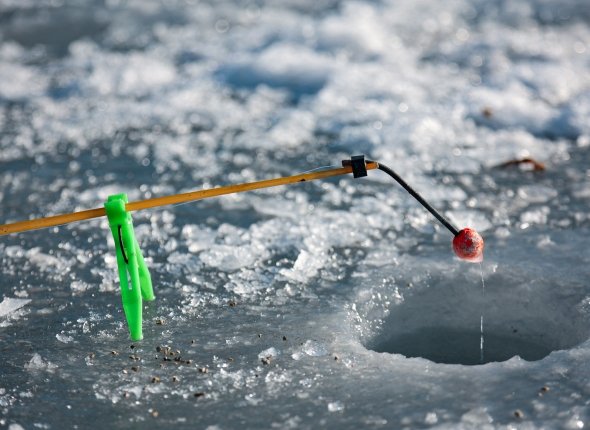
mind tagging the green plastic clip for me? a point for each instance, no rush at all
(131, 264)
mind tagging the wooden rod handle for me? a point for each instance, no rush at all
(56, 220)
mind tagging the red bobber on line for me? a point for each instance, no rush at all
(468, 245)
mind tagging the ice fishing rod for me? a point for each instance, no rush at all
(134, 276)
(357, 165)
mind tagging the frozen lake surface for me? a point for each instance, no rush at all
(330, 304)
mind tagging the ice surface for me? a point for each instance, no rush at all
(153, 98)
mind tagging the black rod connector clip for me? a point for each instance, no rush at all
(357, 162)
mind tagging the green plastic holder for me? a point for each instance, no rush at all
(130, 263)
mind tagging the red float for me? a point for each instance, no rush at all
(468, 245)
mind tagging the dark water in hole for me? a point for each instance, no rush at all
(453, 346)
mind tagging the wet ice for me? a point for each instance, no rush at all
(174, 96)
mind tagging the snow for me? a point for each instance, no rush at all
(283, 66)
(335, 303)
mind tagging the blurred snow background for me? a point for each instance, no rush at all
(277, 299)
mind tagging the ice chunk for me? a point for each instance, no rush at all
(64, 338)
(306, 266)
(431, 418)
(9, 305)
(575, 423)
(478, 418)
(270, 352)
(314, 348)
(47, 262)
(336, 406)
(37, 363)
(198, 238)
(311, 348)
(535, 216)
(230, 258)
(136, 390)
(79, 286)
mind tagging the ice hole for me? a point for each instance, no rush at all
(441, 322)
